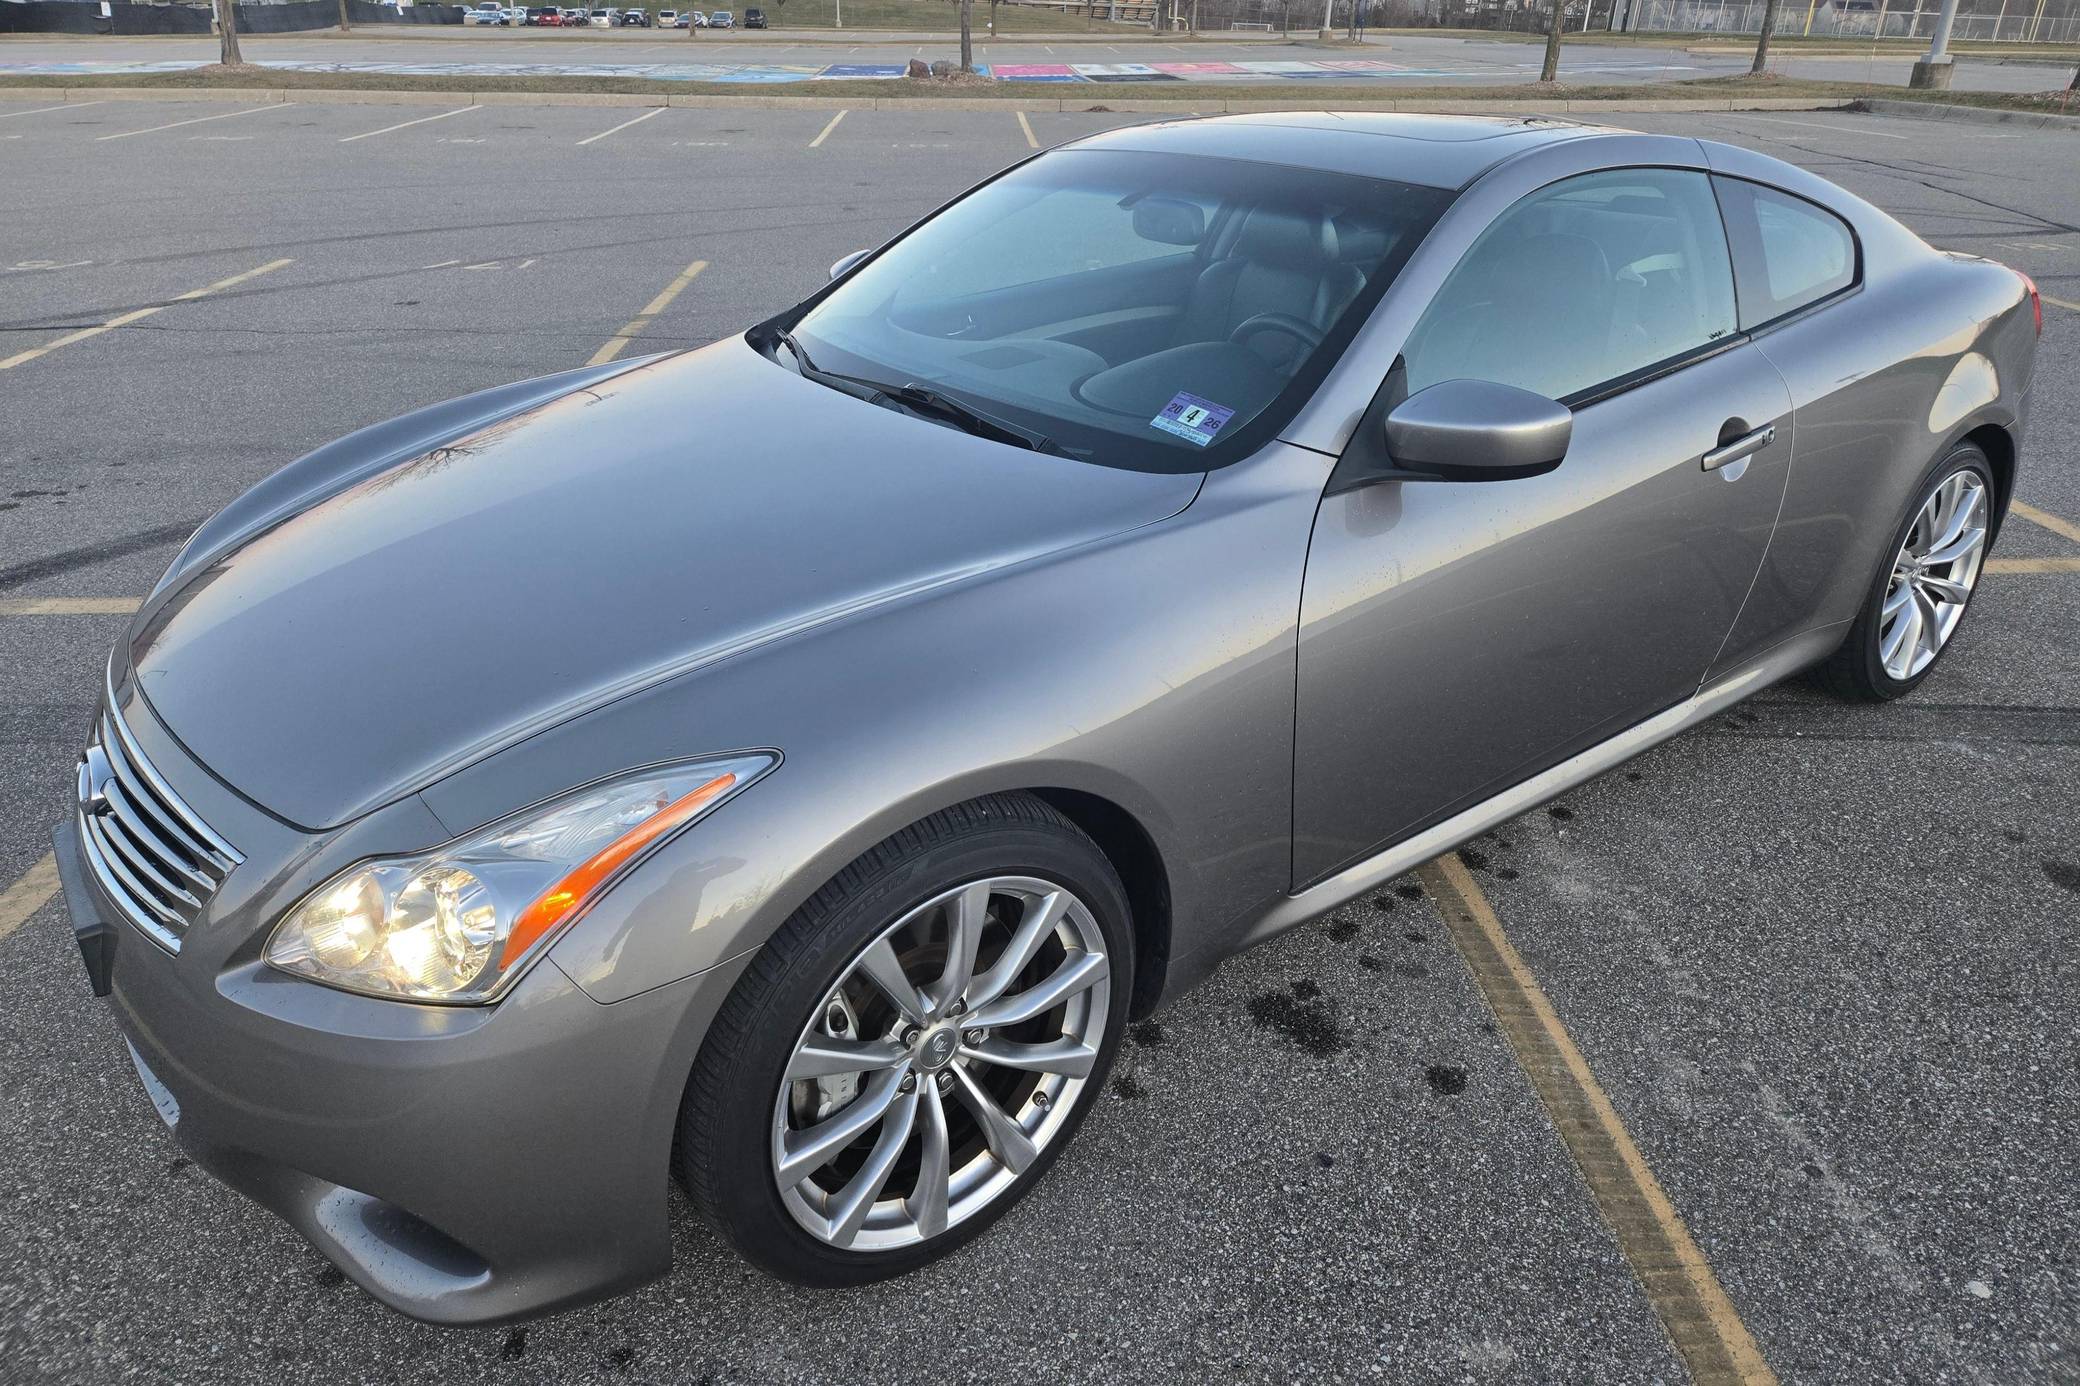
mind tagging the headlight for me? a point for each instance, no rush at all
(455, 924)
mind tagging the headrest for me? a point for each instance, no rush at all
(1290, 240)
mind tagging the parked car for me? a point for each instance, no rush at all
(754, 18)
(635, 19)
(668, 19)
(692, 19)
(576, 19)
(548, 18)
(601, 19)
(720, 19)
(488, 12)
(1173, 539)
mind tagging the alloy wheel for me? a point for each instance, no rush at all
(949, 1054)
(1933, 575)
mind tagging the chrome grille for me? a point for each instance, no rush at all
(154, 857)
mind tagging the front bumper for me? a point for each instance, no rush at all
(465, 1165)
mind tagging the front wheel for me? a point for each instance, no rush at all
(912, 1049)
(1920, 598)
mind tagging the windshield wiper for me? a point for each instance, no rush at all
(921, 398)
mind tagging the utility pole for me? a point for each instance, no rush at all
(1328, 12)
(1933, 72)
(1551, 71)
(1769, 26)
(227, 33)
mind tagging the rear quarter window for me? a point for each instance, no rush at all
(1788, 253)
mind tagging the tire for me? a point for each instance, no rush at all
(742, 1120)
(1858, 671)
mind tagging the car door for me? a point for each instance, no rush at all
(1457, 637)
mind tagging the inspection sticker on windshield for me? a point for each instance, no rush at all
(1193, 419)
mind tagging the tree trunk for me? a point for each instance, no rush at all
(967, 38)
(1551, 71)
(1769, 25)
(345, 23)
(227, 31)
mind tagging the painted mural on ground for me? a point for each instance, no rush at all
(1340, 69)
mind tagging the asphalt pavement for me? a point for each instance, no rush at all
(1820, 958)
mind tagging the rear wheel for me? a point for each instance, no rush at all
(1920, 598)
(913, 1048)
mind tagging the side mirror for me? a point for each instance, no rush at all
(1476, 430)
(839, 267)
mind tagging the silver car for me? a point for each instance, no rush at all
(787, 765)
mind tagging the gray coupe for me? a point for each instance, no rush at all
(787, 765)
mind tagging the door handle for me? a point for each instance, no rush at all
(1745, 446)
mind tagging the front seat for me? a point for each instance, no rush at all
(1281, 262)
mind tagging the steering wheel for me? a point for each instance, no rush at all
(1301, 330)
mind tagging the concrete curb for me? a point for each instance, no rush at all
(1099, 100)
(1974, 115)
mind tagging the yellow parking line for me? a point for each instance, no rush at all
(2057, 524)
(46, 110)
(589, 139)
(175, 125)
(817, 143)
(125, 319)
(2033, 565)
(1702, 1322)
(28, 895)
(2063, 303)
(1027, 126)
(68, 606)
(618, 343)
(403, 124)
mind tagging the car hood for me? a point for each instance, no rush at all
(447, 605)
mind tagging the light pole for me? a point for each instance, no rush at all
(1933, 72)
(1328, 9)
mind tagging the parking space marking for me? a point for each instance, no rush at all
(591, 139)
(618, 343)
(1027, 127)
(2063, 303)
(46, 110)
(68, 606)
(1701, 1321)
(125, 319)
(825, 134)
(2033, 565)
(404, 125)
(175, 125)
(1821, 125)
(28, 895)
(2057, 524)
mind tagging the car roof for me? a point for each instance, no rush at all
(1440, 151)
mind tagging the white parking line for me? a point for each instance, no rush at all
(817, 143)
(1818, 125)
(155, 129)
(622, 126)
(46, 110)
(404, 124)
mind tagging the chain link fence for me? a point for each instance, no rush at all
(2006, 21)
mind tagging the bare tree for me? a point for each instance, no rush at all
(1551, 71)
(227, 31)
(1769, 25)
(967, 38)
(345, 20)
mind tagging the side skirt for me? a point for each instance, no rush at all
(1774, 665)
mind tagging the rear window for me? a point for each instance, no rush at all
(1788, 253)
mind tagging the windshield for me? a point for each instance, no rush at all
(1152, 311)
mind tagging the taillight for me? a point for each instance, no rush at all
(2036, 300)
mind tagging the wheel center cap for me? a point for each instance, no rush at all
(937, 1046)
